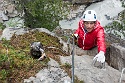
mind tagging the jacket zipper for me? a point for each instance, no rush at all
(83, 38)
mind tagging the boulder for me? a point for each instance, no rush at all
(115, 52)
(10, 8)
(8, 32)
(52, 74)
(117, 56)
(88, 73)
(4, 17)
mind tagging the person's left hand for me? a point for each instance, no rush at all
(100, 57)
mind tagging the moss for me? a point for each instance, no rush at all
(17, 61)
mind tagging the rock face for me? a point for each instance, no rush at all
(86, 72)
(8, 32)
(7, 10)
(9, 16)
(84, 1)
(116, 52)
(117, 56)
(83, 68)
(52, 74)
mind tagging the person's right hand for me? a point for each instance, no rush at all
(75, 38)
(100, 57)
(76, 35)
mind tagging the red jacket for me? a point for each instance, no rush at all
(88, 40)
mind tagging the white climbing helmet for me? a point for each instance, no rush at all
(89, 15)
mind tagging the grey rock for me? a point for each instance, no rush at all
(45, 30)
(36, 81)
(31, 78)
(1, 21)
(53, 63)
(117, 57)
(10, 8)
(14, 14)
(8, 32)
(52, 74)
(4, 17)
(86, 72)
(27, 81)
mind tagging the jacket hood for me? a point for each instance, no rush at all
(97, 24)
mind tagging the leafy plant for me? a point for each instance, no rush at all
(2, 26)
(117, 27)
(42, 13)
(67, 65)
(3, 58)
(3, 74)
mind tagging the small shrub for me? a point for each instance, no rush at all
(42, 13)
(2, 26)
(3, 74)
(116, 28)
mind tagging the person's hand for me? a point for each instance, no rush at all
(76, 35)
(75, 38)
(100, 57)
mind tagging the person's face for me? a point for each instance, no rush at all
(89, 25)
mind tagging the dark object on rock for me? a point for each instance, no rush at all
(37, 51)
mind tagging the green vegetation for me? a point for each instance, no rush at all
(123, 3)
(2, 26)
(16, 63)
(117, 27)
(42, 13)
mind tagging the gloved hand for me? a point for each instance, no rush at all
(75, 38)
(100, 57)
(76, 35)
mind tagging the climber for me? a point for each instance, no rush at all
(91, 34)
(37, 50)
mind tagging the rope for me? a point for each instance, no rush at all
(73, 61)
(122, 75)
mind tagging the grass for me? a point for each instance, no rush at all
(16, 64)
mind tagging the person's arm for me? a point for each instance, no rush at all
(101, 41)
(101, 47)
